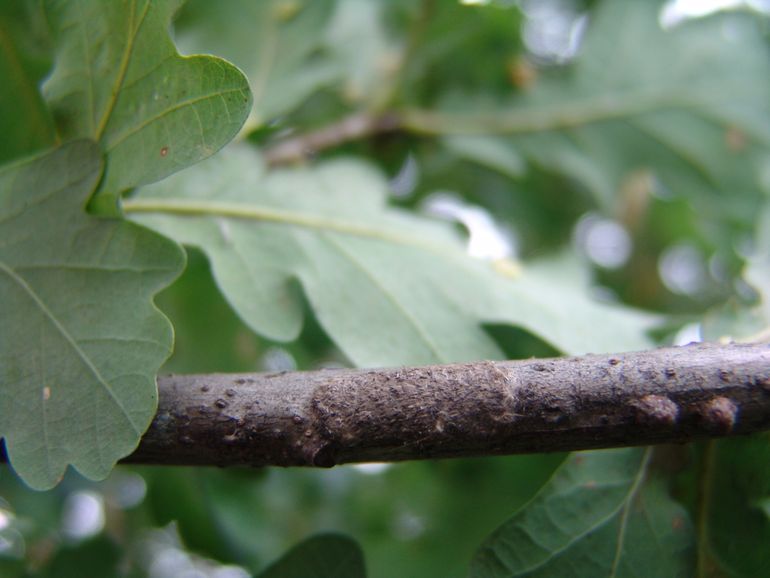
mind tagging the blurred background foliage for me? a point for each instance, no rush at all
(661, 208)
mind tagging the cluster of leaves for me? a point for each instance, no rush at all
(102, 117)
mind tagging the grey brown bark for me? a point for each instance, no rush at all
(328, 417)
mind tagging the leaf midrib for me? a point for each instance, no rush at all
(133, 32)
(422, 334)
(243, 211)
(624, 505)
(19, 281)
(179, 105)
(638, 479)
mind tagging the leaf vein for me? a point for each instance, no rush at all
(70, 340)
(125, 61)
(178, 106)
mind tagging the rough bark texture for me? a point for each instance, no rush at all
(329, 417)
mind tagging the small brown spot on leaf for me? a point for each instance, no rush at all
(46, 393)
(163, 151)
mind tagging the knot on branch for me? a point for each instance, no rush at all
(720, 414)
(656, 410)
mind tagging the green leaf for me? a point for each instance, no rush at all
(323, 556)
(736, 319)
(736, 516)
(81, 340)
(388, 286)
(207, 332)
(277, 43)
(489, 151)
(687, 106)
(598, 516)
(758, 267)
(178, 496)
(370, 68)
(119, 80)
(26, 124)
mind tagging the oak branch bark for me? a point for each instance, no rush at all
(328, 417)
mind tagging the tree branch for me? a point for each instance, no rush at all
(361, 125)
(350, 128)
(328, 417)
